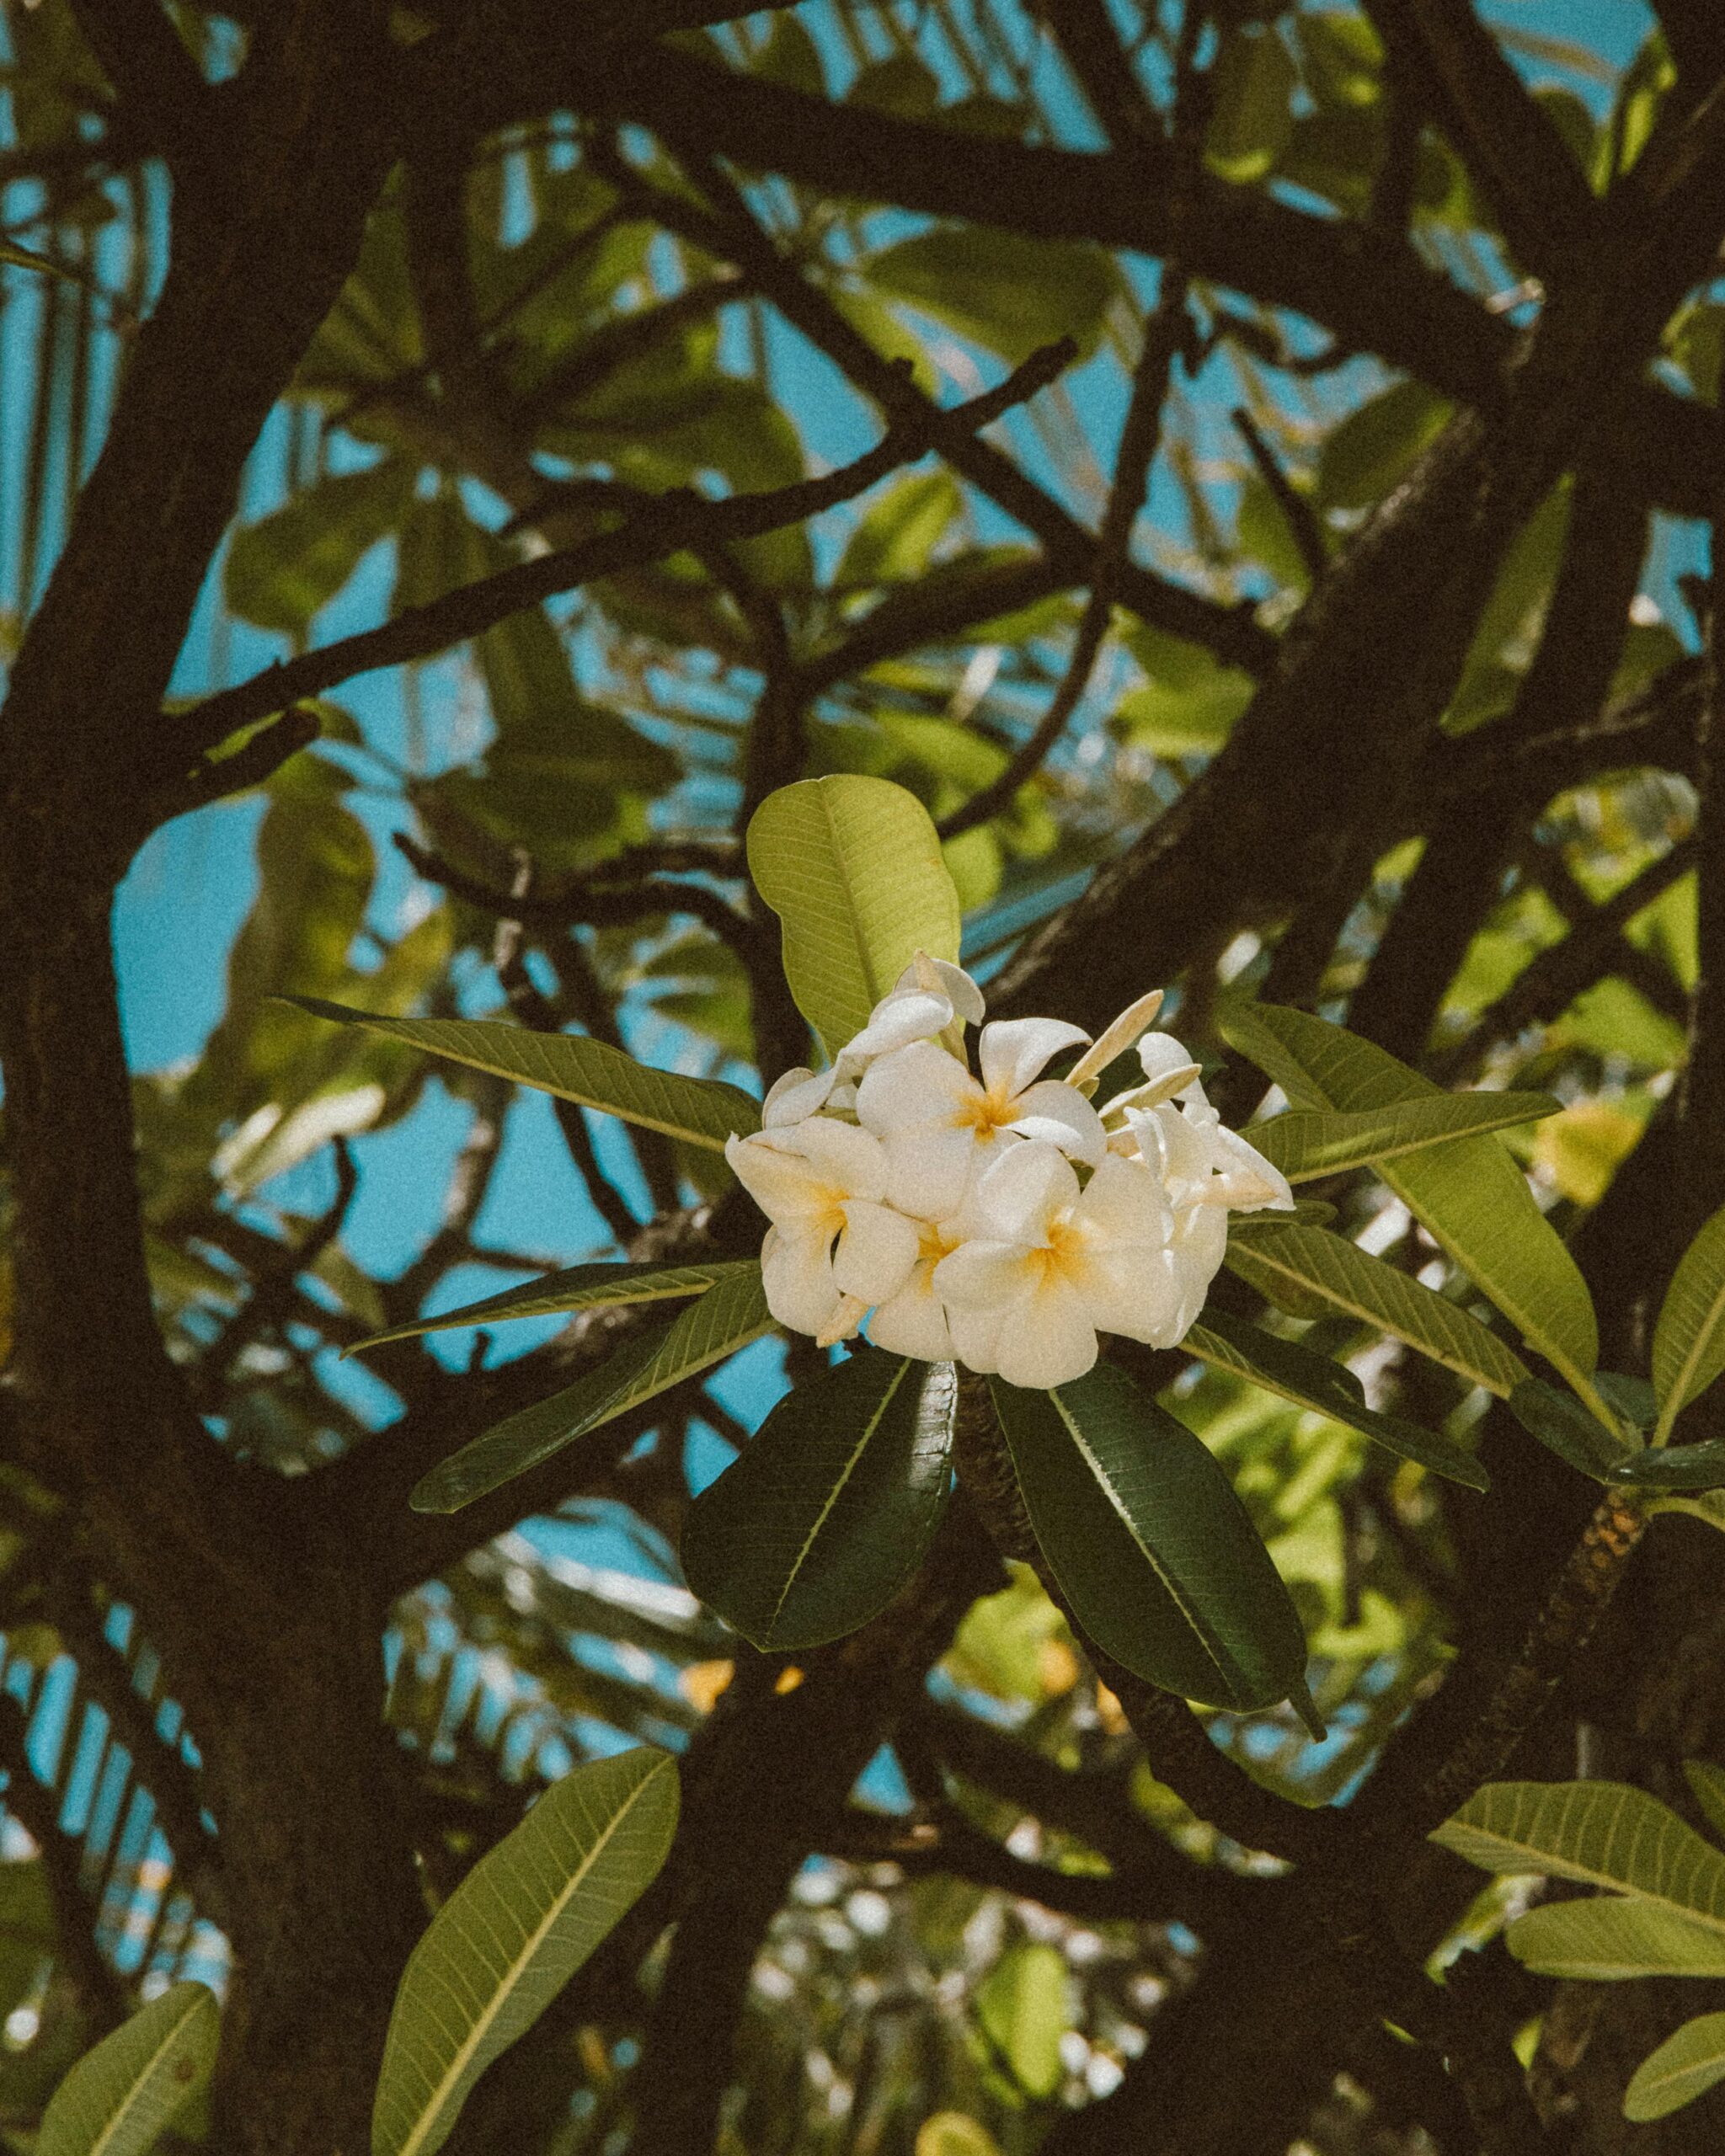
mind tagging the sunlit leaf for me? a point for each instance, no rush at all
(1025, 2010)
(1685, 2066)
(1689, 1338)
(577, 1287)
(1307, 1143)
(1607, 1937)
(852, 868)
(512, 1934)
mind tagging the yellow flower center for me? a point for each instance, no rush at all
(987, 1110)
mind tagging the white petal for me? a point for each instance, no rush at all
(976, 1337)
(797, 1094)
(1115, 1039)
(986, 1275)
(1250, 1183)
(1175, 1149)
(1125, 1202)
(918, 1085)
(1020, 1194)
(1049, 1339)
(844, 1322)
(848, 1159)
(1131, 1289)
(1013, 1051)
(1162, 1054)
(782, 1183)
(928, 1172)
(897, 1021)
(1181, 1078)
(1052, 1110)
(876, 1252)
(956, 986)
(797, 1274)
(913, 1321)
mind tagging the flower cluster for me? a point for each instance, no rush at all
(1000, 1220)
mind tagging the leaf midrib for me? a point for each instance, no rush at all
(141, 2081)
(840, 1483)
(433, 2111)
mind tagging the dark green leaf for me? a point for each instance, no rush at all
(1675, 1467)
(830, 1506)
(577, 1287)
(1150, 1545)
(1564, 1425)
(1307, 1143)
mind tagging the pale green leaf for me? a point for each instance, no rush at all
(1602, 1834)
(120, 2097)
(1469, 1194)
(602, 1286)
(1344, 1278)
(1685, 2066)
(1307, 1143)
(852, 867)
(1607, 1937)
(1024, 2006)
(700, 1111)
(1689, 1339)
(512, 1934)
(728, 1317)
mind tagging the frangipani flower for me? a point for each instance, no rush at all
(930, 997)
(834, 1250)
(942, 1128)
(1052, 1265)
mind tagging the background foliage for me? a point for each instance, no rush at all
(1334, 626)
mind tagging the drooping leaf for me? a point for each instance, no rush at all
(1685, 2066)
(1306, 1144)
(1309, 1380)
(1011, 291)
(1564, 1426)
(576, 1288)
(1602, 1834)
(120, 2098)
(512, 1934)
(700, 1111)
(1150, 1544)
(852, 867)
(830, 1508)
(1469, 1194)
(729, 1315)
(1253, 80)
(1024, 2006)
(1606, 1937)
(1689, 1338)
(1343, 1277)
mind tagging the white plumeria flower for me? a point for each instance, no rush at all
(914, 1322)
(944, 1128)
(834, 1250)
(930, 997)
(1053, 1265)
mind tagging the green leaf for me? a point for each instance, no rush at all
(1008, 291)
(577, 1287)
(1602, 1834)
(512, 1934)
(1307, 1143)
(830, 1508)
(1689, 1338)
(1674, 1467)
(700, 1111)
(1024, 2007)
(852, 867)
(1314, 1382)
(1343, 1277)
(1607, 1937)
(281, 570)
(1368, 451)
(1251, 84)
(729, 1315)
(1565, 1428)
(1707, 1783)
(120, 2096)
(1151, 1544)
(1685, 2066)
(1632, 1398)
(1469, 1194)
(893, 541)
